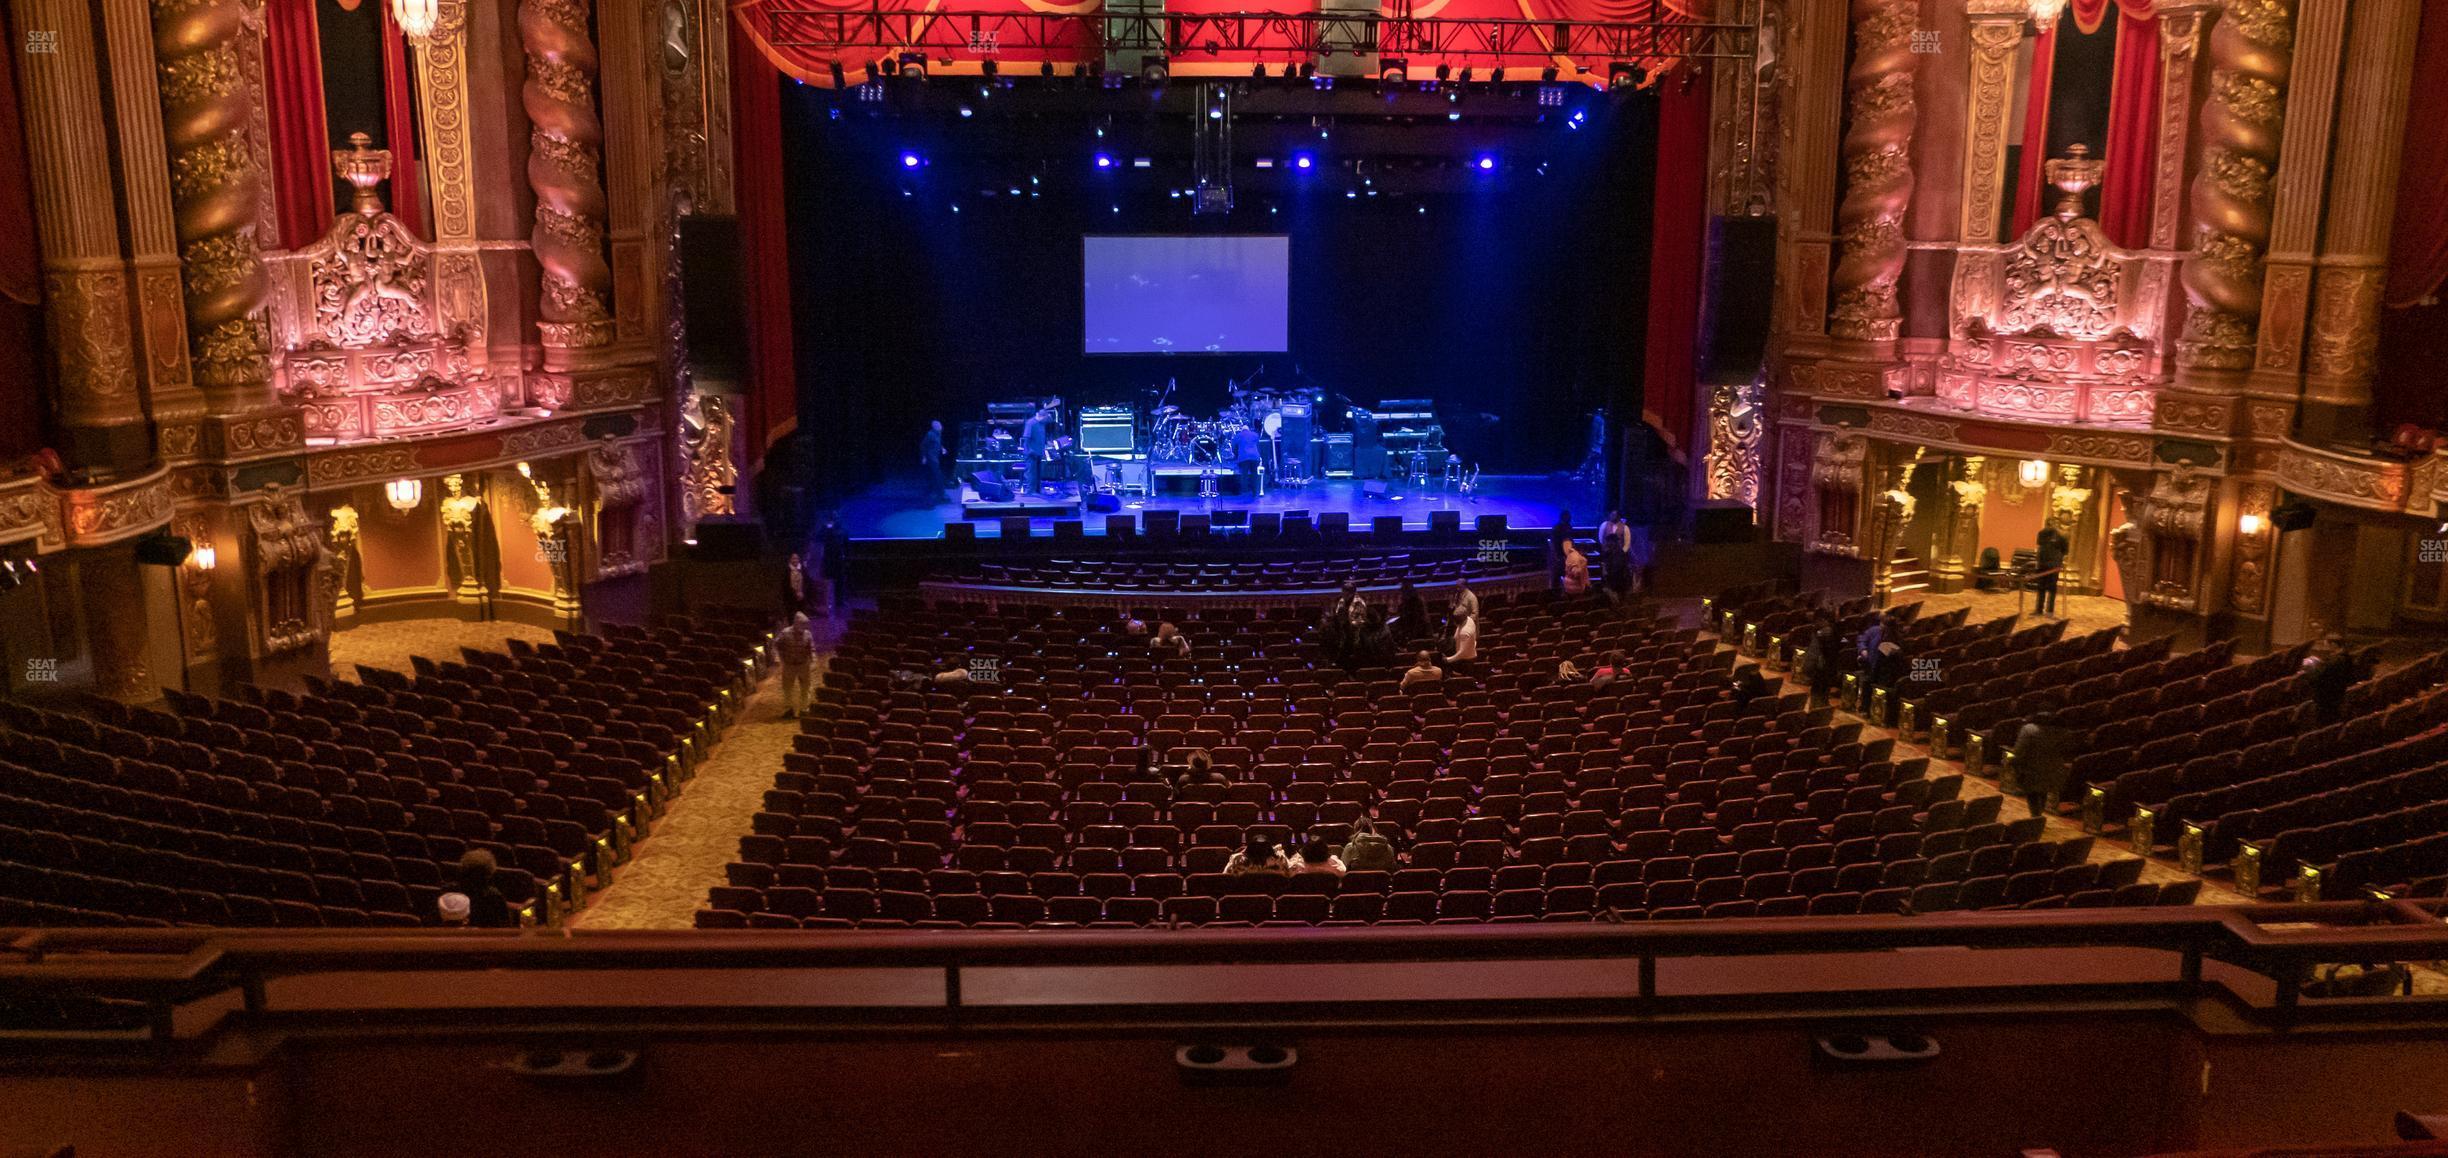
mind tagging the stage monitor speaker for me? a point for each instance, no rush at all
(714, 310)
(1121, 526)
(1491, 526)
(1298, 526)
(1335, 522)
(1228, 518)
(2293, 516)
(1071, 530)
(1374, 488)
(1103, 504)
(1164, 524)
(1445, 522)
(1338, 455)
(1014, 527)
(1722, 521)
(721, 540)
(1265, 525)
(989, 488)
(960, 532)
(1734, 302)
(1194, 525)
(1386, 526)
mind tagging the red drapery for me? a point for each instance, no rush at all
(21, 341)
(2418, 238)
(2035, 132)
(756, 124)
(399, 127)
(1678, 244)
(2133, 133)
(301, 145)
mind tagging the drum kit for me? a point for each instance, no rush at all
(1181, 437)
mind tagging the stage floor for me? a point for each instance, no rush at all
(903, 511)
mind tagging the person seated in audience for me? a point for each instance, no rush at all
(1340, 629)
(1750, 684)
(487, 908)
(2043, 757)
(1410, 623)
(1576, 571)
(1423, 670)
(1316, 857)
(1132, 625)
(795, 646)
(1169, 642)
(2329, 673)
(453, 909)
(1199, 768)
(1368, 850)
(1259, 857)
(1866, 645)
(1614, 667)
(1465, 601)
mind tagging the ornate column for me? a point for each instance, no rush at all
(117, 639)
(85, 282)
(2250, 53)
(1959, 537)
(2341, 355)
(1814, 41)
(1997, 31)
(217, 189)
(1878, 172)
(451, 178)
(143, 163)
(2295, 226)
(629, 158)
(565, 154)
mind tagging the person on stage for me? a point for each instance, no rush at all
(931, 456)
(1248, 452)
(1033, 449)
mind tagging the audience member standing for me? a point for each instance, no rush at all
(931, 457)
(1559, 537)
(1465, 650)
(1615, 557)
(1465, 601)
(796, 648)
(2051, 553)
(1576, 571)
(2329, 674)
(2043, 754)
(1410, 622)
(1823, 662)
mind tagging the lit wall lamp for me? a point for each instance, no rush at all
(417, 18)
(2032, 473)
(204, 557)
(2249, 525)
(404, 494)
(2044, 13)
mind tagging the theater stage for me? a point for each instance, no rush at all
(904, 511)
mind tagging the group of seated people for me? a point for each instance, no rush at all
(1354, 632)
(1365, 851)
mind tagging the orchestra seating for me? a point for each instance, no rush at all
(1050, 795)
(351, 804)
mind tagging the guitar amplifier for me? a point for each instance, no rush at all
(1338, 459)
(1298, 425)
(1107, 430)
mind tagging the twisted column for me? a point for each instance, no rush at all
(216, 193)
(2250, 55)
(564, 162)
(1878, 171)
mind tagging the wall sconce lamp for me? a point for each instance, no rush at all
(2044, 13)
(2032, 473)
(417, 18)
(2250, 525)
(204, 557)
(404, 494)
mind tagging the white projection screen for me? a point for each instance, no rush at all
(1186, 294)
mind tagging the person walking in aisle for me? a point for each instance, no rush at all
(796, 647)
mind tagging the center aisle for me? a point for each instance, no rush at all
(665, 883)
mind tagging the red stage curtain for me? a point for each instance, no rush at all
(756, 126)
(400, 128)
(2133, 133)
(2418, 239)
(1678, 246)
(301, 148)
(2035, 133)
(21, 322)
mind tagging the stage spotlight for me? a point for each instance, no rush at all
(1309, 70)
(1496, 77)
(839, 81)
(1454, 115)
(1466, 74)
(1290, 70)
(882, 66)
(1576, 119)
(1302, 160)
(1444, 71)
(1154, 70)
(966, 112)
(988, 67)
(1322, 83)
(1104, 160)
(1548, 74)
(911, 160)
(1486, 162)
(1393, 70)
(1622, 76)
(1258, 72)
(1045, 69)
(914, 65)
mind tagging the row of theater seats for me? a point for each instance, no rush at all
(1068, 796)
(351, 804)
(1238, 576)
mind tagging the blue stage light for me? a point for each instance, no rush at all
(1302, 161)
(910, 160)
(1104, 160)
(1486, 161)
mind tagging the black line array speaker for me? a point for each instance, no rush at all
(729, 539)
(1721, 521)
(1734, 302)
(714, 308)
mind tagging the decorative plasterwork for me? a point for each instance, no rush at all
(1878, 171)
(2249, 591)
(30, 511)
(95, 516)
(1734, 429)
(2371, 483)
(2251, 52)
(1994, 41)
(289, 558)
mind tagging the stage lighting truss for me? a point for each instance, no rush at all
(1212, 153)
(818, 34)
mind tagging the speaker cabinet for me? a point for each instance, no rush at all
(1070, 530)
(1160, 524)
(1490, 526)
(1265, 525)
(713, 307)
(1386, 526)
(960, 532)
(1015, 527)
(721, 540)
(1447, 523)
(1734, 302)
(1335, 522)
(989, 488)
(1722, 521)
(1121, 526)
(1195, 525)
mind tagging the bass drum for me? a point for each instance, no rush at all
(1205, 448)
